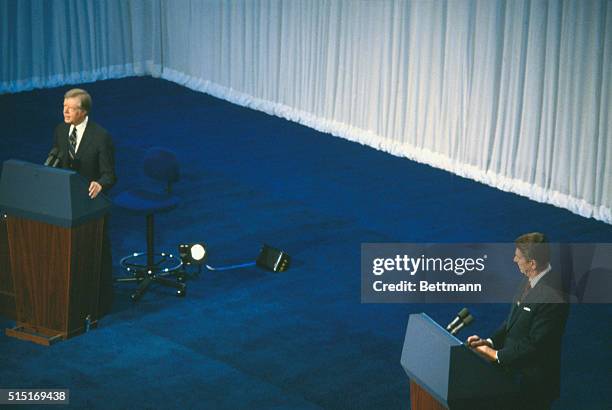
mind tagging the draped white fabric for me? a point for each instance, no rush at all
(515, 94)
(46, 43)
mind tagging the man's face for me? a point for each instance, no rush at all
(73, 113)
(527, 267)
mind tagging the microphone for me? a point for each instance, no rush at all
(460, 316)
(57, 160)
(52, 156)
(469, 319)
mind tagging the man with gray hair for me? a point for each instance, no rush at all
(87, 148)
(528, 342)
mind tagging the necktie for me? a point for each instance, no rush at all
(526, 290)
(72, 139)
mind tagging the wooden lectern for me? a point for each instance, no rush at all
(54, 235)
(7, 293)
(445, 374)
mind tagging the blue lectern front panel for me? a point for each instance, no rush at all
(426, 355)
(45, 194)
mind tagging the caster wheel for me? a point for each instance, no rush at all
(180, 293)
(180, 278)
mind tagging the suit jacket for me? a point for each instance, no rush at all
(95, 158)
(529, 341)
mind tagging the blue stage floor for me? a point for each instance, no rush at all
(254, 339)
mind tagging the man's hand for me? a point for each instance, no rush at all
(483, 347)
(487, 352)
(475, 341)
(94, 189)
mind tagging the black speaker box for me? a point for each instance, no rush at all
(273, 259)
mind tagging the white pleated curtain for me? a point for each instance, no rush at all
(515, 94)
(47, 43)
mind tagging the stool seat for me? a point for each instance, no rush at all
(150, 267)
(139, 200)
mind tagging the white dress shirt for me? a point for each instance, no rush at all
(80, 129)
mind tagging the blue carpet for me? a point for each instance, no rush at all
(253, 339)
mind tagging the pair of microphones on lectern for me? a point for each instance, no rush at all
(54, 158)
(463, 319)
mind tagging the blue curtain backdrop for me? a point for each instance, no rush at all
(515, 94)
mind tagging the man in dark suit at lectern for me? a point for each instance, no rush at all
(528, 342)
(87, 148)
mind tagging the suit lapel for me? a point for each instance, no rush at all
(514, 314)
(517, 310)
(85, 141)
(514, 311)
